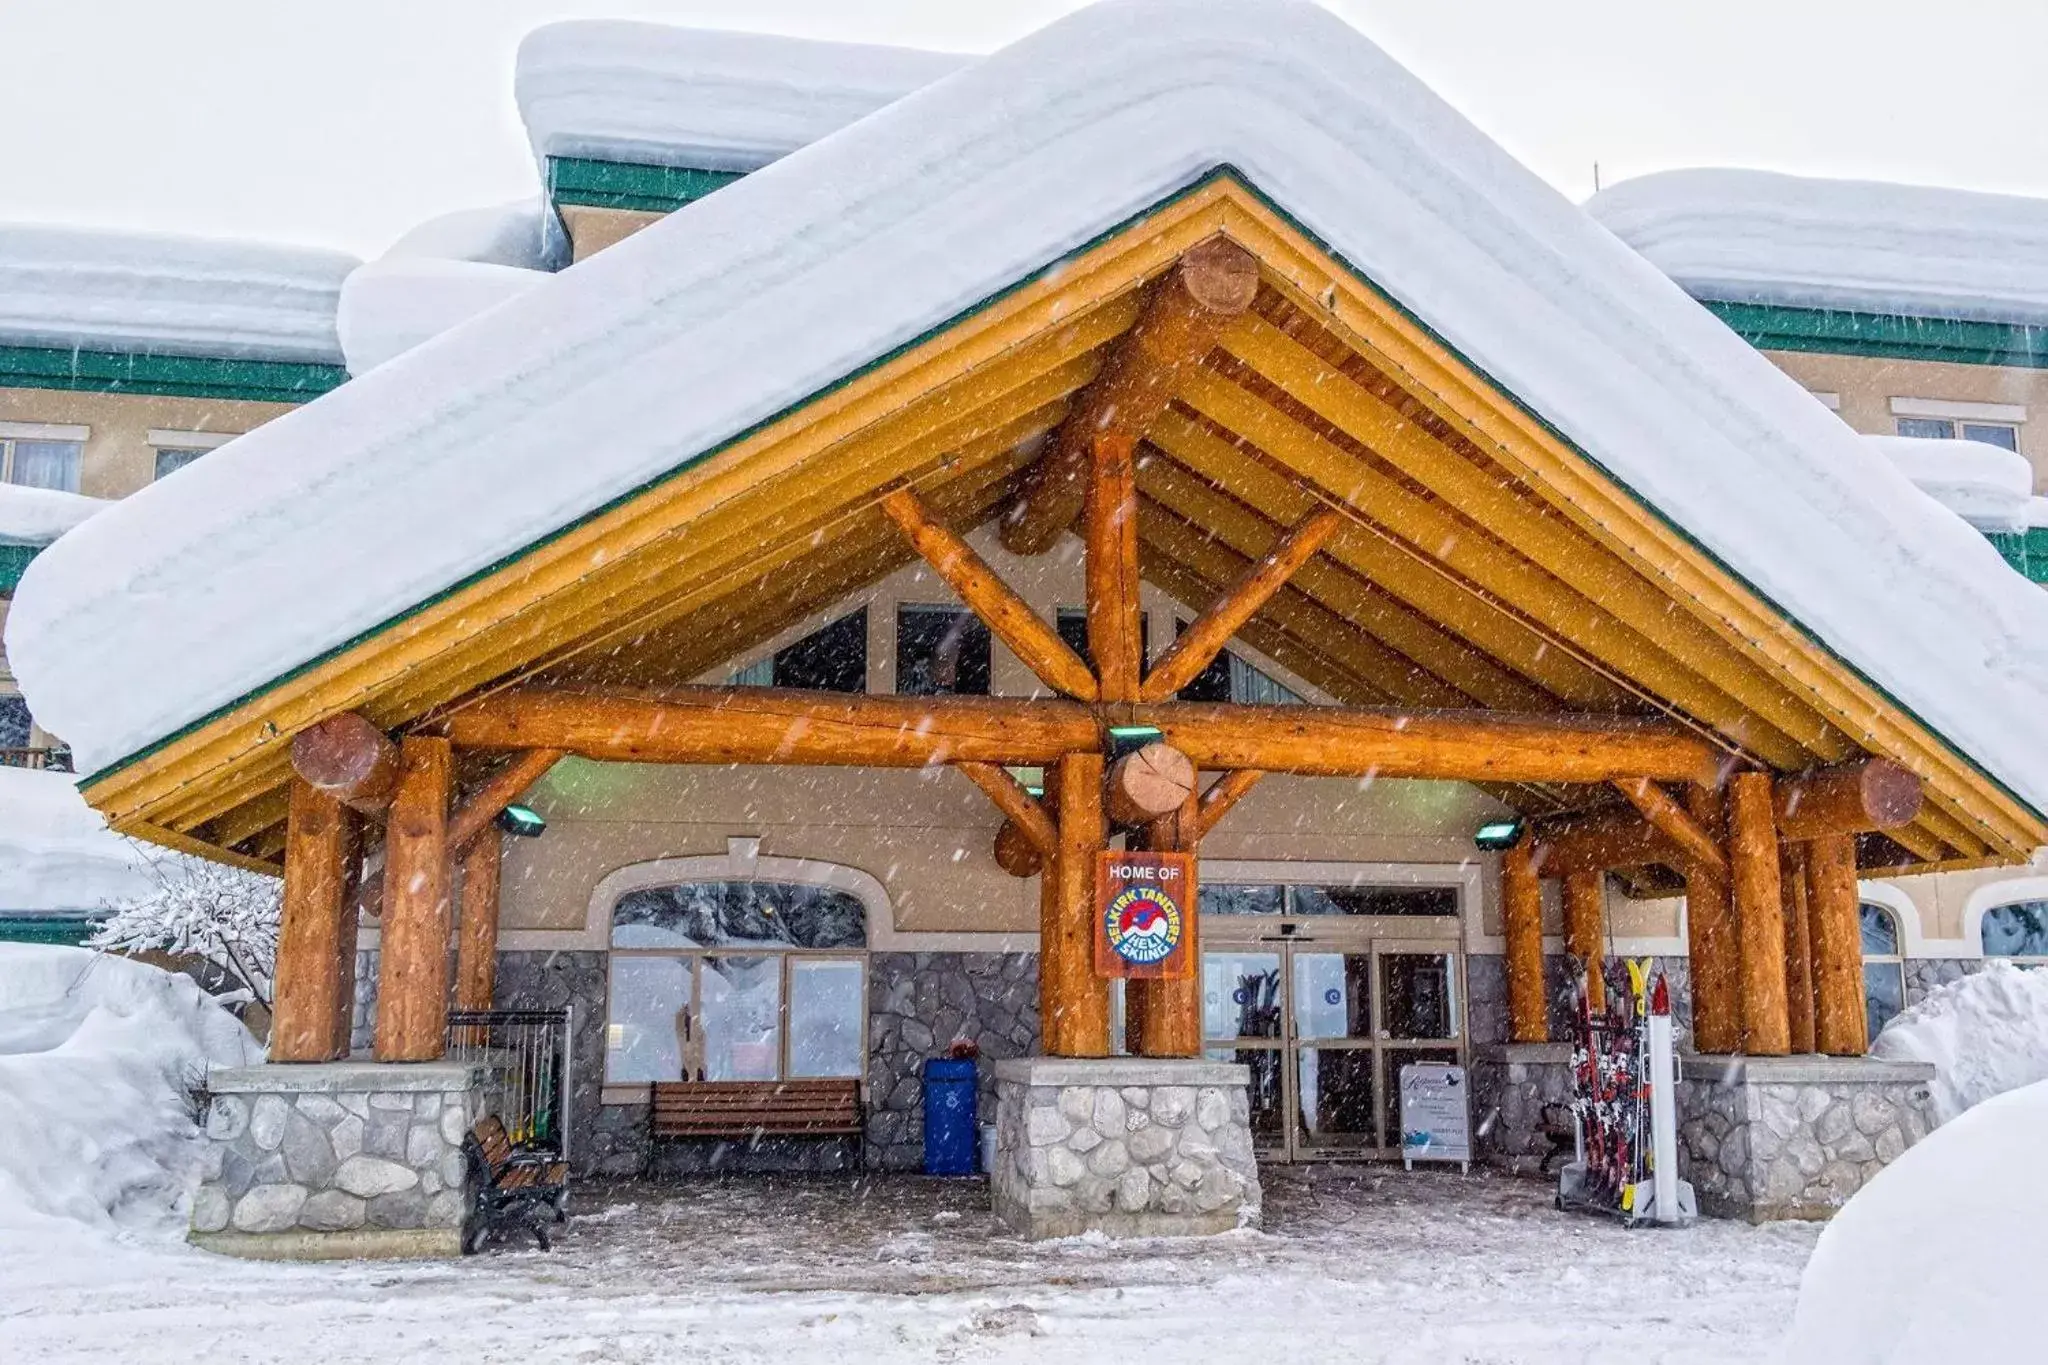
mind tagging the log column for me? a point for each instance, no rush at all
(1711, 939)
(1759, 914)
(412, 976)
(1798, 949)
(1073, 1003)
(1841, 1028)
(1163, 1018)
(315, 975)
(1585, 912)
(476, 935)
(1521, 912)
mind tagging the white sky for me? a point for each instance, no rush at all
(344, 123)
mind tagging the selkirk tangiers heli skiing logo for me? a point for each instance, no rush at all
(1143, 925)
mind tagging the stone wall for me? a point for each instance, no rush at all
(362, 1019)
(549, 980)
(918, 1004)
(1134, 1147)
(1511, 1084)
(1923, 974)
(338, 1159)
(1486, 996)
(1793, 1137)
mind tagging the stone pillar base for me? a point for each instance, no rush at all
(1767, 1138)
(337, 1160)
(1128, 1146)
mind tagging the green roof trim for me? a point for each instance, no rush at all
(628, 185)
(14, 563)
(64, 929)
(2026, 551)
(1222, 171)
(1826, 331)
(181, 376)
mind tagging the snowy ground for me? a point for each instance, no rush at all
(1357, 1265)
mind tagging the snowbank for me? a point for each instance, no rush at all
(56, 853)
(1931, 1263)
(656, 95)
(37, 516)
(131, 291)
(390, 489)
(1985, 1034)
(96, 1056)
(1986, 485)
(1754, 237)
(501, 234)
(390, 306)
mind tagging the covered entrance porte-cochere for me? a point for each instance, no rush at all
(1324, 993)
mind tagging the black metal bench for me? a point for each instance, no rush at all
(514, 1188)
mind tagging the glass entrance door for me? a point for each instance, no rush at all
(1325, 1019)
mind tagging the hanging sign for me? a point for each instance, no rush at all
(1144, 915)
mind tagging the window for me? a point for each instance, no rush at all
(1949, 429)
(1884, 970)
(176, 449)
(736, 981)
(170, 460)
(15, 726)
(41, 463)
(1223, 898)
(2018, 929)
(1072, 624)
(832, 658)
(941, 650)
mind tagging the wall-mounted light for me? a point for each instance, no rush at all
(1498, 835)
(521, 822)
(1128, 739)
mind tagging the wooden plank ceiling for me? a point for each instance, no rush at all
(1452, 582)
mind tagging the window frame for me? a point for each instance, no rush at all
(2017, 959)
(13, 433)
(1896, 959)
(616, 1091)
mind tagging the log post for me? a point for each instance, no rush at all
(312, 985)
(476, 934)
(1841, 1027)
(1711, 939)
(412, 970)
(1798, 947)
(1521, 912)
(1585, 913)
(1114, 641)
(1163, 1018)
(1150, 784)
(1073, 1003)
(1759, 914)
(350, 759)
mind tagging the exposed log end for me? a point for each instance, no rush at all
(1016, 853)
(348, 758)
(1154, 781)
(1220, 276)
(1850, 798)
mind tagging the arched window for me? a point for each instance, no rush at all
(1884, 969)
(737, 980)
(2016, 929)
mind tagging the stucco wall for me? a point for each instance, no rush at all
(118, 456)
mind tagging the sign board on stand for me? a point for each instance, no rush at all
(1144, 915)
(1436, 1120)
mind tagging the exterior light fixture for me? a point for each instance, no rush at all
(1128, 739)
(522, 822)
(1497, 835)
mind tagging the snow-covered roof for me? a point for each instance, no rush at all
(56, 853)
(390, 306)
(511, 234)
(167, 295)
(37, 516)
(1986, 485)
(347, 513)
(656, 95)
(1754, 237)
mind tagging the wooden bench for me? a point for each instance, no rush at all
(752, 1110)
(514, 1187)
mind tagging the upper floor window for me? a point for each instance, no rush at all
(1230, 678)
(1947, 419)
(176, 449)
(1944, 429)
(941, 650)
(38, 456)
(832, 658)
(1072, 624)
(2016, 929)
(1884, 969)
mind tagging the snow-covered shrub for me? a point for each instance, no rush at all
(1985, 1034)
(226, 915)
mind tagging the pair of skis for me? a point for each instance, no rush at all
(1611, 1088)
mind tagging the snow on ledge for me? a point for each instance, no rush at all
(57, 854)
(511, 234)
(390, 306)
(652, 94)
(1754, 237)
(1988, 486)
(162, 294)
(37, 516)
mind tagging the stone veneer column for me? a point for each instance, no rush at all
(1133, 1147)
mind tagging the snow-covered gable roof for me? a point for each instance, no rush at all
(1753, 237)
(655, 95)
(156, 294)
(346, 514)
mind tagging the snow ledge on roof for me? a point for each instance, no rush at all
(1755, 237)
(390, 306)
(652, 94)
(160, 294)
(37, 516)
(1986, 485)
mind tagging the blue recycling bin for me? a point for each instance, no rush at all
(950, 1134)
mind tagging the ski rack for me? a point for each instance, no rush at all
(1625, 1105)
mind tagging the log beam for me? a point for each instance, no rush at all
(1115, 642)
(1601, 841)
(1585, 915)
(350, 759)
(1223, 794)
(1669, 819)
(1849, 798)
(500, 790)
(412, 975)
(1022, 809)
(476, 930)
(1212, 283)
(1713, 944)
(1759, 914)
(1521, 911)
(1152, 782)
(1841, 1027)
(1197, 646)
(1008, 616)
(1073, 1003)
(1162, 1017)
(312, 984)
